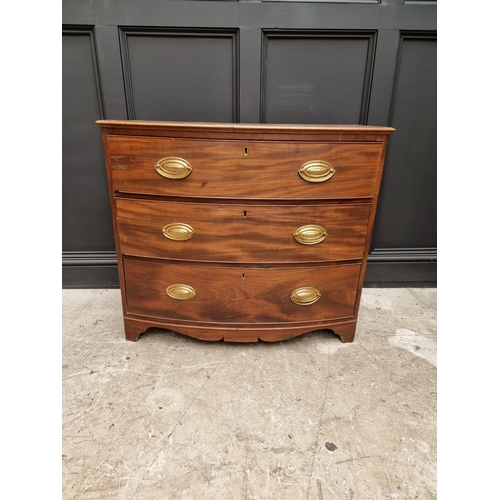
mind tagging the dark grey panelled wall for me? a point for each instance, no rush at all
(182, 75)
(363, 61)
(316, 76)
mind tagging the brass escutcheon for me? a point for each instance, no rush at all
(310, 234)
(316, 171)
(172, 167)
(178, 231)
(179, 291)
(305, 295)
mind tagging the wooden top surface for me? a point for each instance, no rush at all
(241, 127)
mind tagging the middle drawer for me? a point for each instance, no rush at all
(242, 233)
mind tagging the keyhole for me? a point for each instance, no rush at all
(242, 276)
(244, 213)
(246, 152)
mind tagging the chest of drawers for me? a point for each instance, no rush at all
(242, 232)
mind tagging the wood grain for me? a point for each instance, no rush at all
(222, 170)
(239, 293)
(134, 327)
(241, 233)
(246, 131)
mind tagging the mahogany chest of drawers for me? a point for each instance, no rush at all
(242, 232)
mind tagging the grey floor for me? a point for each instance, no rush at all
(170, 417)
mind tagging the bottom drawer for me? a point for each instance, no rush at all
(237, 294)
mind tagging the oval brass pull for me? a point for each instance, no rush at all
(173, 167)
(316, 171)
(310, 234)
(178, 231)
(305, 295)
(180, 292)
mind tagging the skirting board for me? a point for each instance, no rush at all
(388, 268)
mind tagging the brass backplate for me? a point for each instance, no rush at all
(172, 167)
(178, 231)
(305, 295)
(316, 171)
(180, 291)
(310, 234)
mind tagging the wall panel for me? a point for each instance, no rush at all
(316, 76)
(181, 75)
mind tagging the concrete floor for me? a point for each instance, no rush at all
(170, 417)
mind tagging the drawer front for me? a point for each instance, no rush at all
(237, 294)
(242, 233)
(243, 169)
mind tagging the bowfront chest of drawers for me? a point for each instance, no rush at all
(242, 232)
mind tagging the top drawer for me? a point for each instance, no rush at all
(243, 169)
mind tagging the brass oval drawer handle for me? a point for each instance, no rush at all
(178, 231)
(173, 167)
(316, 171)
(180, 292)
(310, 234)
(305, 295)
